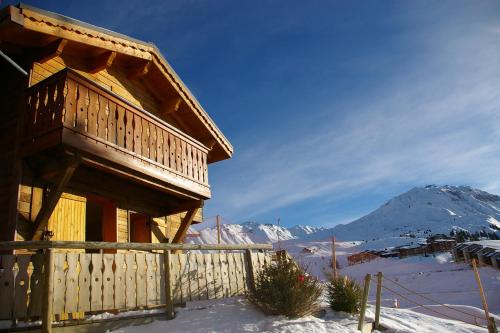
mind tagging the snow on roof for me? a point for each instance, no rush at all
(495, 244)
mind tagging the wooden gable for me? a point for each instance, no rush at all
(133, 69)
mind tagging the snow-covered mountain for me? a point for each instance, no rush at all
(422, 211)
(425, 211)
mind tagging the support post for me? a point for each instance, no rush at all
(378, 301)
(217, 218)
(334, 258)
(366, 290)
(169, 306)
(250, 272)
(48, 289)
(491, 328)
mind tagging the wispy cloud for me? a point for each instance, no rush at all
(436, 123)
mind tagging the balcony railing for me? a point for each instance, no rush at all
(67, 103)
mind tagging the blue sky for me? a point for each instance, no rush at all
(333, 107)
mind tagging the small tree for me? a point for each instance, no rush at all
(284, 288)
(344, 294)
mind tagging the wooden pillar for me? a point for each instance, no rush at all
(491, 328)
(169, 306)
(378, 301)
(217, 218)
(48, 290)
(250, 271)
(364, 301)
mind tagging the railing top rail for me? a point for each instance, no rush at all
(36, 245)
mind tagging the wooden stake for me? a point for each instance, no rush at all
(250, 275)
(334, 258)
(48, 292)
(169, 306)
(217, 218)
(366, 290)
(378, 301)
(491, 328)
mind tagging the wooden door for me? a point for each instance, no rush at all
(140, 229)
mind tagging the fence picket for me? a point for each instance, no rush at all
(71, 304)
(120, 281)
(84, 283)
(96, 282)
(21, 286)
(108, 281)
(59, 283)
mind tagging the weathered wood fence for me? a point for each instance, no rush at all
(95, 282)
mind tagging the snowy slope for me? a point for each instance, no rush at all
(422, 211)
(425, 211)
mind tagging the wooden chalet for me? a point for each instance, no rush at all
(100, 140)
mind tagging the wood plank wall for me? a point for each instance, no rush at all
(120, 281)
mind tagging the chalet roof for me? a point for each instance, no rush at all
(35, 20)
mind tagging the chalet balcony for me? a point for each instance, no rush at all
(67, 112)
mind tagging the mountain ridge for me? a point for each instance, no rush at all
(419, 212)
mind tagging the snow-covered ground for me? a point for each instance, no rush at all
(436, 277)
(238, 315)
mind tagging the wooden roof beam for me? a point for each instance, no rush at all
(50, 51)
(171, 105)
(102, 62)
(139, 70)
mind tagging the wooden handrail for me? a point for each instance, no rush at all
(36, 245)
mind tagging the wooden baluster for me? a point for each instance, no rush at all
(70, 104)
(189, 160)
(137, 135)
(195, 152)
(152, 141)
(166, 150)
(184, 158)
(120, 126)
(173, 153)
(82, 107)
(129, 131)
(102, 117)
(92, 113)
(111, 135)
(159, 145)
(59, 102)
(145, 138)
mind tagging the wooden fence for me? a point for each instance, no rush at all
(96, 282)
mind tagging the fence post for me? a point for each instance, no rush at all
(48, 290)
(169, 306)
(250, 273)
(366, 290)
(334, 258)
(491, 328)
(378, 301)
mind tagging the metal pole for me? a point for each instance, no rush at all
(13, 63)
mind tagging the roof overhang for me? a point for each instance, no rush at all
(31, 23)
